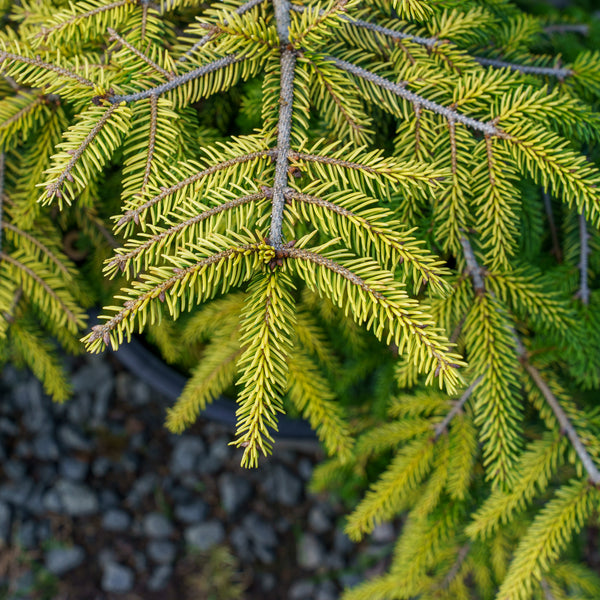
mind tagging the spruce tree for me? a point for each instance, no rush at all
(417, 172)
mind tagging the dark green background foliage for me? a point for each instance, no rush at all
(381, 215)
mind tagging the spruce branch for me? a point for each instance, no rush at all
(151, 141)
(455, 569)
(134, 214)
(284, 125)
(102, 332)
(473, 268)
(584, 289)
(54, 189)
(558, 72)
(9, 315)
(215, 29)
(71, 317)
(46, 31)
(2, 224)
(38, 62)
(42, 247)
(457, 407)
(561, 28)
(115, 36)
(487, 128)
(563, 421)
(175, 82)
(121, 260)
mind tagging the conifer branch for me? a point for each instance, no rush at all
(151, 141)
(45, 31)
(134, 214)
(55, 187)
(23, 111)
(563, 421)
(215, 29)
(584, 237)
(440, 428)
(458, 563)
(415, 99)
(121, 260)
(473, 268)
(556, 250)
(33, 275)
(175, 82)
(284, 125)
(131, 306)
(36, 242)
(547, 591)
(9, 315)
(144, 4)
(37, 62)
(558, 72)
(115, 36)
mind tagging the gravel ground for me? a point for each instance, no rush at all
(98, 500)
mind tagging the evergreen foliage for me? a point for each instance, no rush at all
(413, 171)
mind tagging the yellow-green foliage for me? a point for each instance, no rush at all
(277, 185)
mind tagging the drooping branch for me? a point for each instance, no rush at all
(584, 253)
(565, 425)
(175, 82)
(473, 268)
(214, 30)
(55, 187)
(121, 260)
(151, 141)
(558, 72)
(400, 90)
(440, 428)
(563, 421)
(115, 36)
(103, 330)
(37, 62)
(134, 214)
(33, 275)
(284, 125)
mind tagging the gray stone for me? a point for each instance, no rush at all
(128, 462)
(192, 512)
(51, 501)
(383, 533)
(234, 491)
(342, 544)
(283, 486)
(108, 499)
(80, 408)
(319, 518)
(73, 439)
(43, 531)
(241, 544)
(14, 469)
(73, 469)
(89, 377)
(186, 454)
(160, 578)
(117, 578)
(45, 447)
(349, 580)
(35, 500)
(116, 520)
(305, 468)
(267, 582)
(310, 552)
(16, 492)
(140, 562)
(77, 499)
(139, 393)
(7, 427)
(105, 557)
(5, 521)
(259, 531)
(25, 535)
(23, 449)
(205, 535)
(103, 394)
(101, 466)
(27, 396)
(142, 487)
(156, 525)
(161, 551)
(62, 560)
(327, 591)
(218, 453)
(301, 590)
(46, 473)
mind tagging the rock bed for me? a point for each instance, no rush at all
(98, 493)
